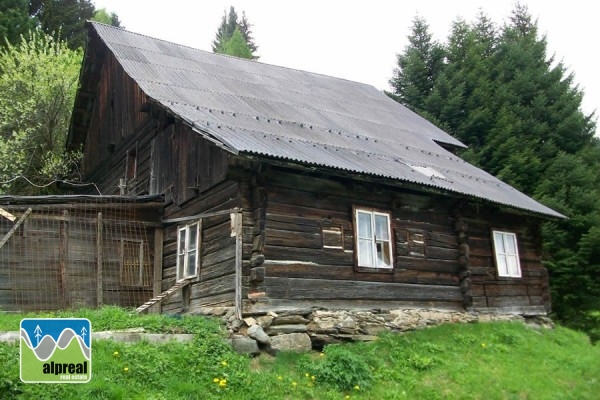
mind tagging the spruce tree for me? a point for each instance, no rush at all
(418, 67)
(519, 111)
(229, 23)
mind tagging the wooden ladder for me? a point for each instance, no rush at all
(167, 293)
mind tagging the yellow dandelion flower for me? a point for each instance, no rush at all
(347, 397)
(483, 345)
(294, 384)
(216, 380)
(279, 378)
(307, 374)
(125, 369)
(116, 354)
(313, 377)
(223, 383)
(356, 387)
(224, 363)
(322, 354)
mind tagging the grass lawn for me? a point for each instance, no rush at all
(469, 361)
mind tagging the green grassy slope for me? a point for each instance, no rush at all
(473, 361)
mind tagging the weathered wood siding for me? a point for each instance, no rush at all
(301, 268)
(531, 291)
(192, 174)
(56, 260)
(118, 130)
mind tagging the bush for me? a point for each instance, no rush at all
(343, 368)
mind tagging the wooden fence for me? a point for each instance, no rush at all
(61, 252)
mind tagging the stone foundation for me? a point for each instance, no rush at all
(312, 329)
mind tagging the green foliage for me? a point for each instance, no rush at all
(519, 112)
(418, 67)
(107, 18)
(64, 19)
(235, 46)
(454, 361)
(38, 80)
(230, 23)
(343, 367)
(14, 21)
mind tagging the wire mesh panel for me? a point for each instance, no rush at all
(71, 252)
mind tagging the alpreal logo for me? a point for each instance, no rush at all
(56, 350)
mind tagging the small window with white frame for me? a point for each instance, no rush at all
(506, 254)
(188, 251)
(373, 239)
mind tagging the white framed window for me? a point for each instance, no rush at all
(373, 238)
(188, 249)
(506, 254)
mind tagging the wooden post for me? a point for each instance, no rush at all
(237, 232)
(99, 293)
(157, 275)
(63, 258)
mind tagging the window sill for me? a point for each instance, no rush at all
(375, 270)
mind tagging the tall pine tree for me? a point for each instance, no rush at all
(519, 112)
(229, 24)
(418, 67)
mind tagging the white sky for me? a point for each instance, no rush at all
(359, 40)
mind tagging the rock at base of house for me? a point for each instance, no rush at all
(296, 342)
(285, 329)
(244, 345)
(257, 333)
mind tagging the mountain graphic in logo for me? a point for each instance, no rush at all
(56, 350)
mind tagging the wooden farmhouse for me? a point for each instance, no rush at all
(285, 189)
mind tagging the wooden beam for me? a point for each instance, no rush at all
(99, 230)
(237, 232)
(63, 257)
(14, 228)
(200, 216)
(157, 275)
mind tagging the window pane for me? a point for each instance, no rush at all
(383, 255)
(181, 244)
(180, 266)
(499, 242)
(381, 227)
(191, 263)
(365, 253)
(510, 244)
(193, 233)
(364, 225)
(502, 265)
(513, 266)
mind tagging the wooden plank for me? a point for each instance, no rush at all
(158, 264)
(237, 231)
(512, 289)
(336, 272)
(99, 252)
(311, 240)
(14, 228)
(325, 289)
(301, 305)
(508, 301)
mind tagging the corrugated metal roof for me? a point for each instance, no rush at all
(279, 112)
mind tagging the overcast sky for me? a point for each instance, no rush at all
(359, 40)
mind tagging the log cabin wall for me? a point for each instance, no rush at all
(192, 174)
(308, 246)
(116, 150)
(530, 292)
